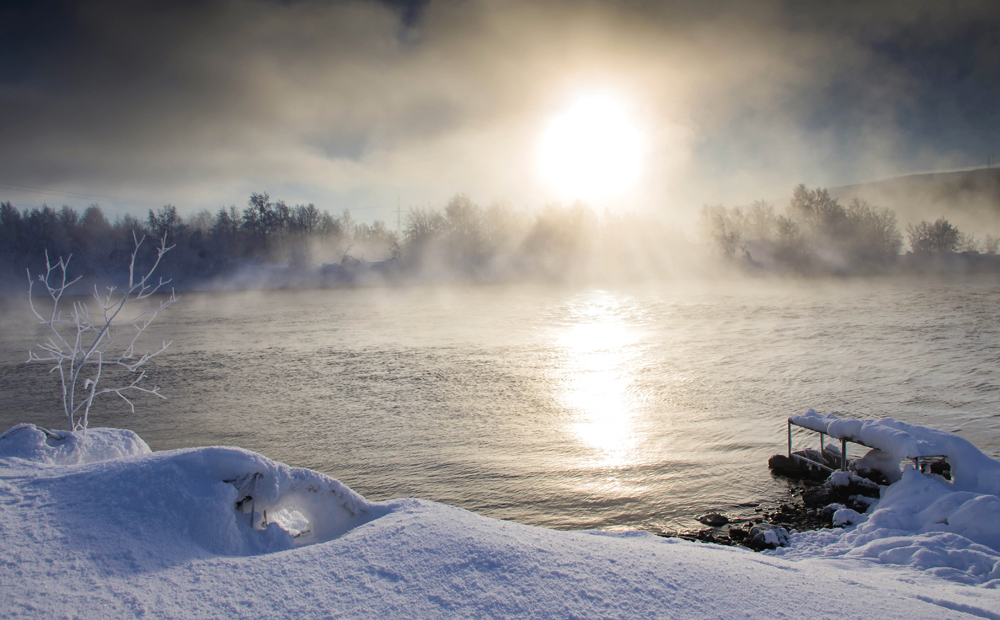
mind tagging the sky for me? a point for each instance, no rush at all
(370, 105)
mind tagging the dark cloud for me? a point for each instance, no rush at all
(350, 103)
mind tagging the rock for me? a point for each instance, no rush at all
(851, 490)
(829, 511)
(847, 484)
(846, 516)
(831, 455)
(942, 469)
(797, 470)
(766, 536)
(817, 497)
(707, 536)
(738, 534)
(713, 519)
(782, 465)
(791, 516)
(860, 503)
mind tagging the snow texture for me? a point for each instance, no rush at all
(96, 526)
(846, 478)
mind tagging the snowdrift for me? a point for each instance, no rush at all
(95, 525)
(227, 501)
(44, 447)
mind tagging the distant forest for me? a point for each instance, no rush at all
(269, 243)
(817, 234)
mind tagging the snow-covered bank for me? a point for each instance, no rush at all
(99, 527)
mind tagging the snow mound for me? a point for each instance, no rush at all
(226, 501)
(42, 446)
(289, 504)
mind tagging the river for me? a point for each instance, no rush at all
(566, 407)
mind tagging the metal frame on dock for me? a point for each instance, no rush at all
(918, 461)
(809, 461)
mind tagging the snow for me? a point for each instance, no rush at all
(45, 447)
(922, 522)
(846, 478)
(95, 525)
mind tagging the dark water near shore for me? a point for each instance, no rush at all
(568, 408)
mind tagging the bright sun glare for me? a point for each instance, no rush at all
(592, 151)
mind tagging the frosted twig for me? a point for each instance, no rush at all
(78, 343)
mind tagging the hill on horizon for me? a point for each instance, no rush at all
(969, 199)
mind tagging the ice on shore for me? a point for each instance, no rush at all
(97, 526)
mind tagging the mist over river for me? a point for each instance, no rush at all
(562, 407)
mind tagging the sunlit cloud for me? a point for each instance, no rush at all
(349, 105)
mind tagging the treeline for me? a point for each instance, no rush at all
(816, 234)
(206, 245)
(269, 243)
(302, 245)
(496, 242)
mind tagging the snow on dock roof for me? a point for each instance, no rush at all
(970, 467)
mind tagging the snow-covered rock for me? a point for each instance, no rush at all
(846, 516)
(767, 536)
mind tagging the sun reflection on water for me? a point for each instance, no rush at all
(600, 363)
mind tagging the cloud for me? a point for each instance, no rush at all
(351, 103)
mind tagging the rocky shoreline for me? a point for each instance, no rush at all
(732, 528)
(818, 500)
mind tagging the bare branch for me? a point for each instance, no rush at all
(78, 343)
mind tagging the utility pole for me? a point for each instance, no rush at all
(399, 230)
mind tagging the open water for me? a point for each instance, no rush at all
(561, 407)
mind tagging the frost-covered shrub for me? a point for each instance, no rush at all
(87, 341)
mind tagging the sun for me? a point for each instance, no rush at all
(592, 151)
